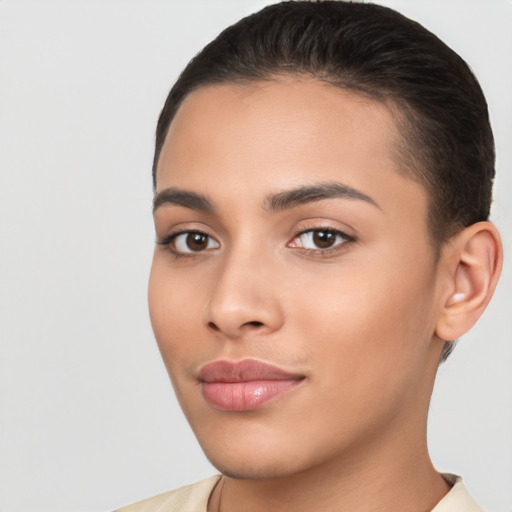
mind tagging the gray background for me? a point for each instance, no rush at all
(88, 420)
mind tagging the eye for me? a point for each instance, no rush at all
(189, 242)
(320, 239)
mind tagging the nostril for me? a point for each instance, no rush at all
(255, 323)
(235, 330)
(212, 326)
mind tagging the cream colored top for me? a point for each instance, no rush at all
(194, 498)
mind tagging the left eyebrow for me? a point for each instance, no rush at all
(308, 194)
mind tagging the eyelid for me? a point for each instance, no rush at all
(171, 227)
(168, 242)
(318, 250)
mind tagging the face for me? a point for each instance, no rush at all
(293, 287)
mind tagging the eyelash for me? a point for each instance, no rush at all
(169, 241)
(328, 251)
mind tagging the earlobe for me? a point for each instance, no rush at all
(473, 262)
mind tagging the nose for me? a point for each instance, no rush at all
(245, 297)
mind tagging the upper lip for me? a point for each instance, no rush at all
(243, 371)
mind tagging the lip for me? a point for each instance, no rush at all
(244, 385)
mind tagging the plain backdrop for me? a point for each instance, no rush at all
(88, 420)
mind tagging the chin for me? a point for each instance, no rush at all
(260, 455)
(250, 469)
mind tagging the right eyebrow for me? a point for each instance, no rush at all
(184, 198)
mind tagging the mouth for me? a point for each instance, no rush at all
(244, 385)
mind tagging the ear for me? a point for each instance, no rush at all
(472, 263)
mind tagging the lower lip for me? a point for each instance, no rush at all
(246, 396)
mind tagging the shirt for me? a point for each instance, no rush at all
(194, 498)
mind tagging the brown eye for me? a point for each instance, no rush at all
(324, 239)
(320, 239)
(196, 241)
(192, 241)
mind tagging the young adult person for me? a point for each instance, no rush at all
(323, 176)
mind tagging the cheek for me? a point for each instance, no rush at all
(370, 327)
(172, 308)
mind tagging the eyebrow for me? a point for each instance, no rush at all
(274, 203)
(184, 198)
(308, 194)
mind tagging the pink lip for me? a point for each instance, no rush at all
(244, 385)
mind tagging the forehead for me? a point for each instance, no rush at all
(271, 117)
(282, 110)
(274, 135)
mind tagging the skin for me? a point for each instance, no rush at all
(357, 320)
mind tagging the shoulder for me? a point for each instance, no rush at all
(191, 498)
(458, 499)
